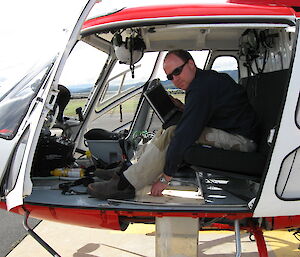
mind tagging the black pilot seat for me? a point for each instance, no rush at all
(266, 93)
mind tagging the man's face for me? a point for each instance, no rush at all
(187, 74)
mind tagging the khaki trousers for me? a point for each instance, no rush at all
(151, 162)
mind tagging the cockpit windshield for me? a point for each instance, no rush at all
(15, 102)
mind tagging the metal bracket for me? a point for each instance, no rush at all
(199, 175)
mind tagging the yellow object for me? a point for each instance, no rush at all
(68, 172)
(88, 154)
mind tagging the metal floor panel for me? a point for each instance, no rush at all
(47, 192)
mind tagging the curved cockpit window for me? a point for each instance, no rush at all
(15, 102)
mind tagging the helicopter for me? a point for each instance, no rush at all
(122, 46)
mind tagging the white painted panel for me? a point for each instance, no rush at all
(288, 140)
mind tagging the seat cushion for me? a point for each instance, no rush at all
(250, 164)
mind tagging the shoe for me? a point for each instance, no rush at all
(109, 190)
(107, 174)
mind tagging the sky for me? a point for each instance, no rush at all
(34, 29)
(31, 31)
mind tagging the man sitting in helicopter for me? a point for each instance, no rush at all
(216, 113)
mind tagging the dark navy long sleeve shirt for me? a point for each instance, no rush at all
(212, 100)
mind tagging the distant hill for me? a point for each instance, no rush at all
(233, 73)
(168, 84)
(85, 88)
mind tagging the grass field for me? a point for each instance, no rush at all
(128, 106)
(72, 105)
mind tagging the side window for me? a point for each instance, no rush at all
(227, 64)
(119, 116)
(122, 81)
(153, 122)
(117, 105)
(80, 74)
(297, 115)
(286, 188)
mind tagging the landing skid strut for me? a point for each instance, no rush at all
(36, 236)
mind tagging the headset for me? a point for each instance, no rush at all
(129, 51)
(254, 44)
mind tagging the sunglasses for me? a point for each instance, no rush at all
(177, 71)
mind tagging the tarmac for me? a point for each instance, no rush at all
(139, 240)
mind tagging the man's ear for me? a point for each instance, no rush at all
(192, 64)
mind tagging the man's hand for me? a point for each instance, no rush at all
(158, 187)
(178, 103)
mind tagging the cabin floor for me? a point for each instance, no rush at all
(215, 194)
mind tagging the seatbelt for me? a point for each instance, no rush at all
(66, 187)
(124, 153)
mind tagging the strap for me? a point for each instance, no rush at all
(122, 145)
(66, 187)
